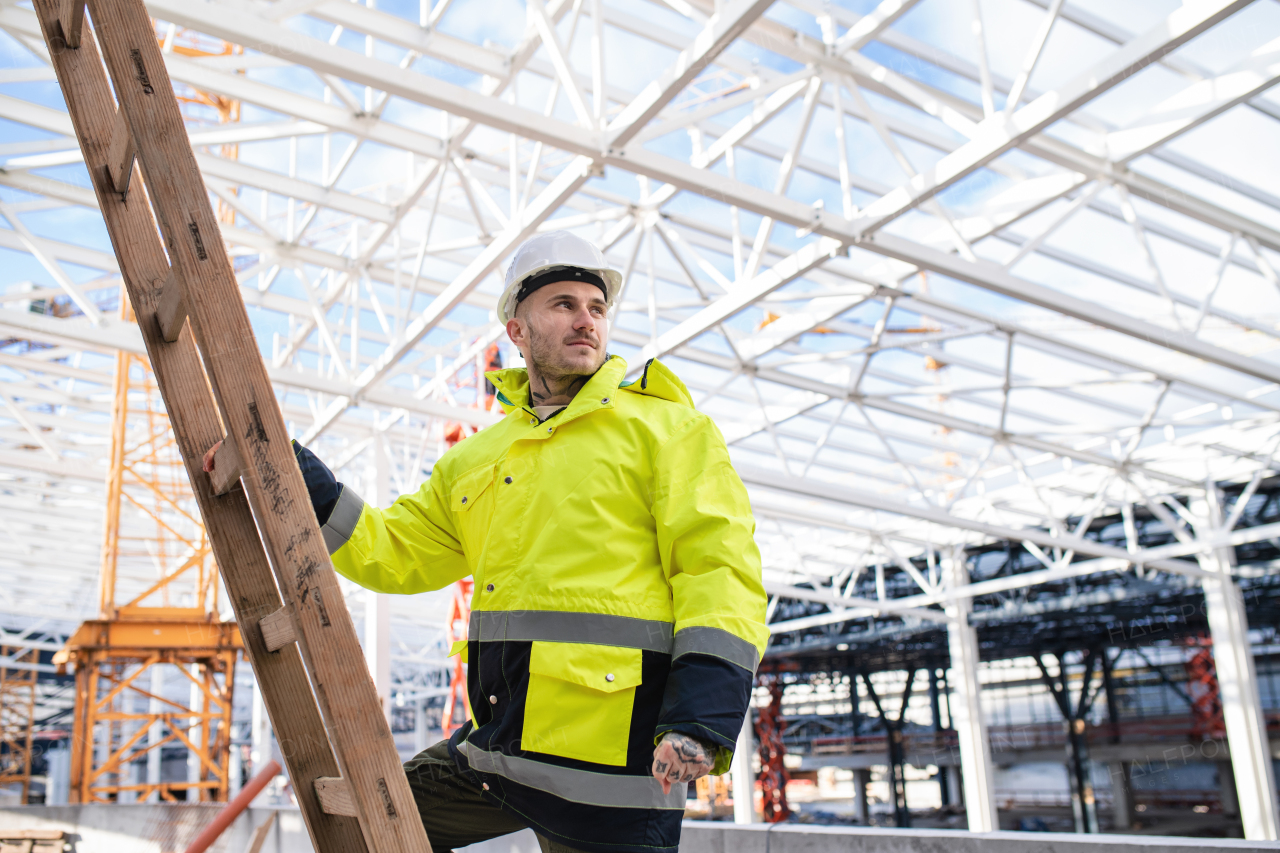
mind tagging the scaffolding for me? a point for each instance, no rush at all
(17, 716)
(166, 631)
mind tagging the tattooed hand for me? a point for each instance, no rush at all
(679, 759)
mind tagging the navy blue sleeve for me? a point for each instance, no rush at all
(706, 698)
(322, 487)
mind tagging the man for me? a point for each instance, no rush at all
(618, 602)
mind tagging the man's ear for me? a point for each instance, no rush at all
(516, 331)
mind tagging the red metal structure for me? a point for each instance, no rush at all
(456, 629)
(235, 808)
(773, 773)
(1202, 688)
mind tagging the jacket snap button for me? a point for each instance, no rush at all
(609, 677)
(605, 401)
(550, 428)
(493, 700)
(486, 786)
(489, 588)
(533, 421)
(464, 500)
(507, 481)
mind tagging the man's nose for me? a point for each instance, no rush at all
(584, 320)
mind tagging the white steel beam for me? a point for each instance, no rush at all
(707, 46)
(1000, 132)
(116, 335)
(548, 201)
(818, 374)
(257, 33)
(1195, 105)
(992, 276)
(983, 273)
(966, 703)
(872, 24)
(741, 773)
(937, 515)
(916, 412)
(743, 295)
(957, 113)
(714, 38)
(1251, 763)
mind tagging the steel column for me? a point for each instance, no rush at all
(741, 774)
(966, 706)
(1238, 684)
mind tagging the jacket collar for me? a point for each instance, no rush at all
(512, 385)
(657, 380)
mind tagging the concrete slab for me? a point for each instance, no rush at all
(157, 828)
(792, 838)
(170, 827)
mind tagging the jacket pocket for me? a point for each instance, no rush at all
(579, 701)
(472, 524)
(468, 488)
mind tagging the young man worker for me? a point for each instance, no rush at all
(618, 613)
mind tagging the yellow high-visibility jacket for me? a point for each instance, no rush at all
(618, 596)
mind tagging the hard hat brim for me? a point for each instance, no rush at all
(506, 308)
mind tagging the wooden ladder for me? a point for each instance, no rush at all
(335, 740)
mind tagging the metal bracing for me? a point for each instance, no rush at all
(933, 296)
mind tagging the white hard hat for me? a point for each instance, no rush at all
(549, 251)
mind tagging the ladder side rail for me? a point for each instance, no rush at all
(193, 415)
(358, 729)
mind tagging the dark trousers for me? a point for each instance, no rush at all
(453, 810)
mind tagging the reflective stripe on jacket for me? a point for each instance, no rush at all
(618, 596)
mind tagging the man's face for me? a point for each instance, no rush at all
(562, 329)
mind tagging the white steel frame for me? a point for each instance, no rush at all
(924, 358)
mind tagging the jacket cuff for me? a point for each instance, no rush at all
(721, 754)
(342, 521)
(707, 698)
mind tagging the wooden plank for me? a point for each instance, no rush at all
(335, 796)
(120, 156)
(225, 475)
(37, 834)
(260, 834)
(71, 20)
(171, 312)
(232, 531)
(277, 630)
(359, 731)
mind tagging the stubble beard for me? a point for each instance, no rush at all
(555, 375)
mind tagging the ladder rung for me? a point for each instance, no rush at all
(335, 797)
(120, 153)
(277, 630)
(71, 18)
(225, 475)
(171, 311)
